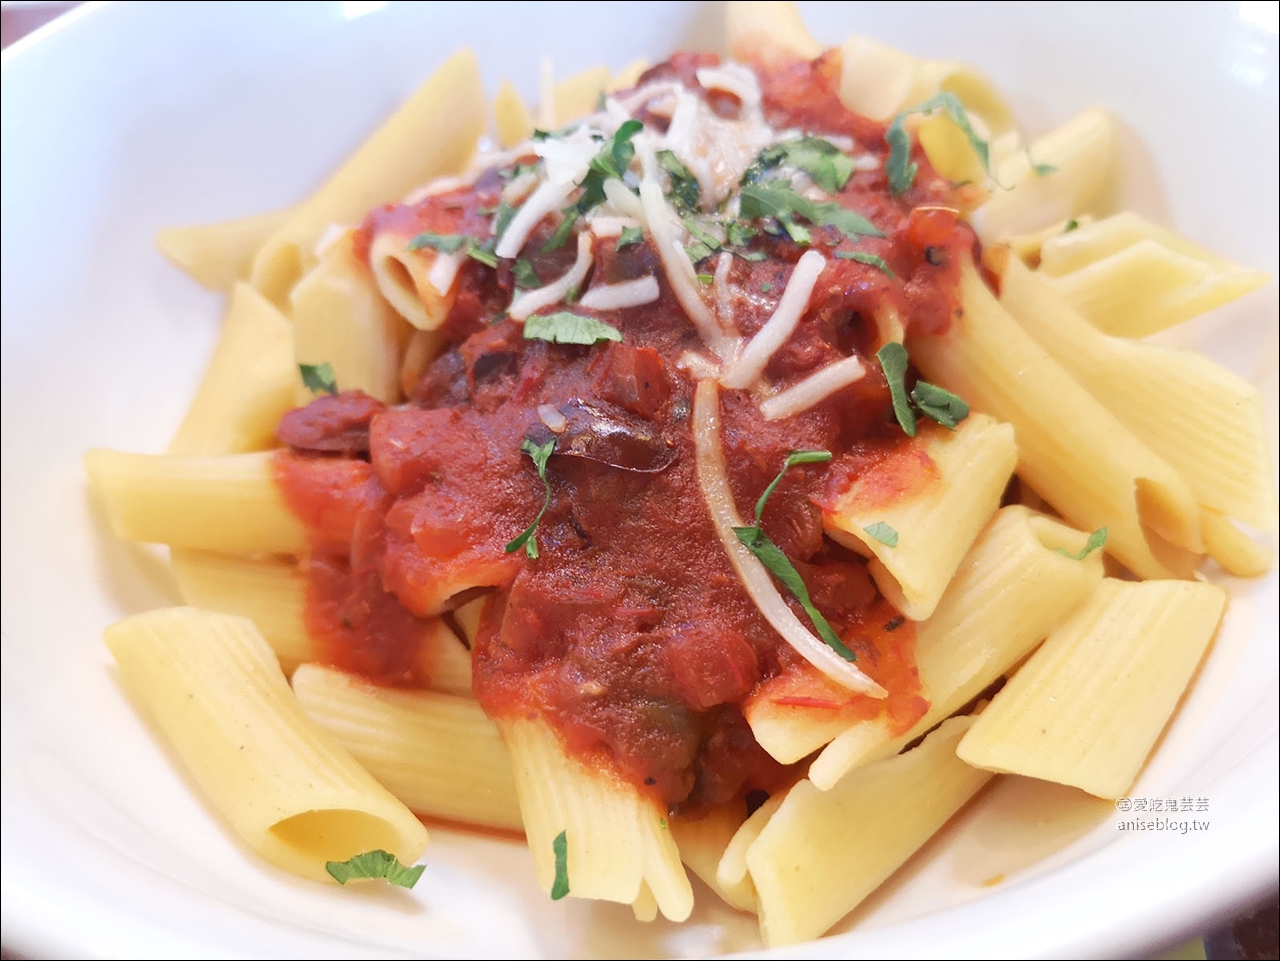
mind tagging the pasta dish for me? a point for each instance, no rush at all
(735, 468)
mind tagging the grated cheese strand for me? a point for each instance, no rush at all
(629, 293)
(817, 386)
(531, 301)
(548, 197)
(795, 300)
(713, 479)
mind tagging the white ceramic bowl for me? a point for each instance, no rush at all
(123, 119)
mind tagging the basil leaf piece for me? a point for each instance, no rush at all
(566, 327)
(1043, 170)
(1095, 541)
(938, 403)
(375, 864)
(560, 848)
(820, 159)
(765, 287)
(525, 275)
(899, 168)
(539, 454)
(445, 243)
(893, 361)
(1072, 224)
(775, 199)
(557, 239)
(863, 257)
(780, 567)
(741, 234)
(629, 236)
(794, 458)
(685, 190)
(483, 253)
(704, 244)
(882, 532)
(502, 219)
(318, 378)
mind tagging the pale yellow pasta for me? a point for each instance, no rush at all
(628, 76)
(967, 471)
(218, 255)
(419, 284)
(1235, 551)
(767, 32)
(1090, 241)
(213, 688)
(339, 319)
(615, 839)
(1087, 707)
(733, 877)
(1013, 588)
(702, 842)
(437, 753)
(1076, 163)
(579, 95)
(1148, 287)
(1030, 246)
(270, 592)
(823, 852)
(422, 348)
(250, 382)
(433, 133)
(511, 115)
(875, 80)
(1071, 450)
(230, 504)
(1216, 439)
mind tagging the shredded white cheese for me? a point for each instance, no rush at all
(519, 188)
(531, 301)
(722, 292)
(548, 197)
(445, 270)
(605, 226)
(795, 299)
(817, 386)
(555, 421)
(629, 293)
(732, 78)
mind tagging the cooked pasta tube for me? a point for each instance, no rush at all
(230, 504)
(270, 592)
(1067, 251)
(579, 95)
(512, 117)
(437, 753)
(339, 319)
(702, 844)
(733, 878)
(916, 539)
(250, 383)
(1014, 586)
(419, 284)
(1059, 175)
(823, 852)
(1235, 551)
(214, 690)
(767, 32)
(218, 255)
(615, 840)
(1071, 450)
(432, 134)
(1216, 438)
(1087, 708)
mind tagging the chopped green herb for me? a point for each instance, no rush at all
(615, 157)
(662, 823)
(566, 327)
(1043, 170)
(740, 234)
(539, 454)
(375, 864)
(685, 191)
(525, 275)
(777, 563)
(611, 162)
(883, 533)
(539, 134)
(938, 403)
(777, 200)
(318, 378)
(560, 848)
(898, 167)
(629, 236)
(893, 362)
(557, 239)
(765, 287)
(1072, 224)
(502, 219)
(572, 296)
(820, 159)
(484, 254)
(445, 243)
(1096, 540)
(704, 244)
(863, 257)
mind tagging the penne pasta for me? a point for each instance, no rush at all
(219, 255)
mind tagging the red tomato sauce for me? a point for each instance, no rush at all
(630, 631)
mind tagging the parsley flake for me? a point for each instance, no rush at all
(936, 403)
(374, 865)
(779, 565)
(525, 275)
(629, 236)
(862, 257)
(778, 201)
(765, 287)
(1095, 541)
(445, 243)
(566, 327)
(685, 191)
(939, 404)
(539, 454)
(899, 168)
(318, 378)
(820, 159)
(560, 848)
(1072, 224)
(882, 532)
(610, 163)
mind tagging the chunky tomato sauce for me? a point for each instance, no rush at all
(630, 631)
